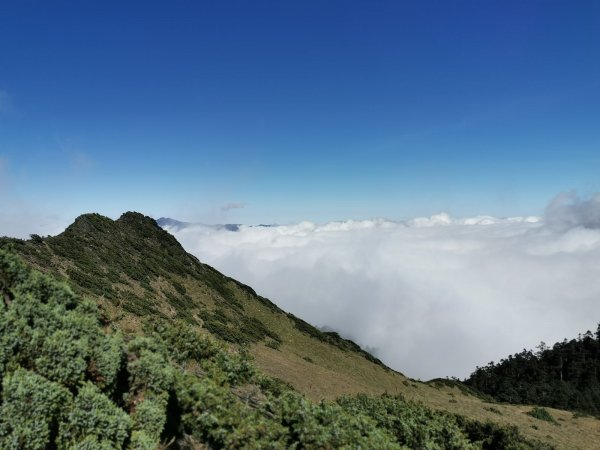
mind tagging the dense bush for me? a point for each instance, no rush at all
(542, 414)
(94, 420)
(31, 408)
(412, 424)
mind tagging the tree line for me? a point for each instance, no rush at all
(565, 376)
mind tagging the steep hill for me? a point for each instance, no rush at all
(69, 383)
(138, 273)
(136, 270)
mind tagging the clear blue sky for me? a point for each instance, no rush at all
(297, 110)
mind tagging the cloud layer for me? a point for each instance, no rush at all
(432, 296)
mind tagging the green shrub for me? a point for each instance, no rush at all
(412, 424)
(63, 358)
(12, 272)
(183, 341)
(212, 414)
(142, 441)
(327, 425)
(275, 345)
(31, 408)
(542, 414)
(149, 420)
(94, 419)
(106, 359)
(148, 366)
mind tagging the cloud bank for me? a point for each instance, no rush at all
(567, 210)
(432, 296)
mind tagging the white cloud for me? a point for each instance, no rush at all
(435, 296)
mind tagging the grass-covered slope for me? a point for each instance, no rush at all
(137, 274)
(137, 269)
(70, 381)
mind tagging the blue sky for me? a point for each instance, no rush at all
(296, 110)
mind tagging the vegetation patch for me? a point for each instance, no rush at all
(494, 410)
(333, 338)
(565, 376)
(542, 414)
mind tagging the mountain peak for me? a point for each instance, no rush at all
(89, 223)
(137, 220)
(94, 224)
(135, 216)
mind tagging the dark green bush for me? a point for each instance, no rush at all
(31, 410)
(542, 414)
(411, 423)
(148, 366)
(149, 420)
(94, 419)
(106, 360)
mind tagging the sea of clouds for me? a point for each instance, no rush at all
(432, 297)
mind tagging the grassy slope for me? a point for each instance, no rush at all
(135, 270)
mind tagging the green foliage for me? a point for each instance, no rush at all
(148, 366)
(494, 410)
(491, 435)
(149, 420)
(272, 387)
(233, 326)
(237, 367)
(106, 360)
(212, 414)
(94, 419)
(182, 340)
(542, 414)
(566, 376)
(462, 387)
(327, 425)
(63, 358)
(31, 408)
(12, 273)
(412, 424)
(273, 344)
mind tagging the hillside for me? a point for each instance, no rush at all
(136, 270)
(566, 376)
(69, 383)
(139, 274)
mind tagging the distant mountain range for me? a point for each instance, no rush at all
(165, 222)
(441, 219)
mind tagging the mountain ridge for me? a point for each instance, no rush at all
(116, 247)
